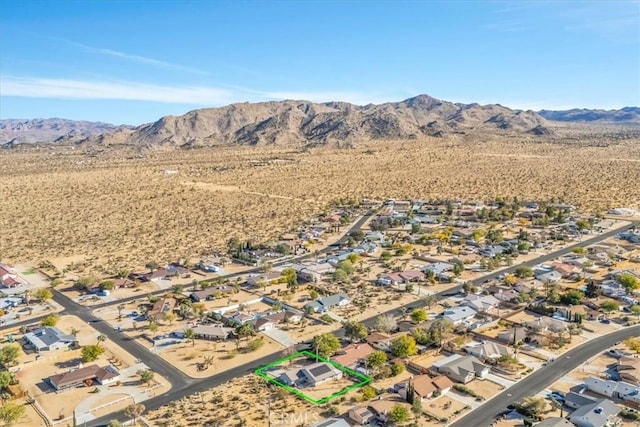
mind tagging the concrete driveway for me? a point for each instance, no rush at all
(279, 336)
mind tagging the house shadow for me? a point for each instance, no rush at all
(45, 387)
(73, 363)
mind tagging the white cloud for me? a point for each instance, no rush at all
(33, 87)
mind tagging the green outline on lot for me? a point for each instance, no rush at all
(364, 379)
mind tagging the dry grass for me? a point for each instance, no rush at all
(120, 210)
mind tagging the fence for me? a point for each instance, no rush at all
(39, 410)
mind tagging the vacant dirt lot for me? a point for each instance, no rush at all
(121, 211)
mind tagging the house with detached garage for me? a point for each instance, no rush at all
(48, 338)
(85, 376)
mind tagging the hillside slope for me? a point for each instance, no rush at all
(624, 115)
(15, 131)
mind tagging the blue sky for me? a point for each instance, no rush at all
(134, 61)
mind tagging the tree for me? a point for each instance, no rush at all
(91, 352)
(399, 414)
(245, 330)
(572, 297)
(357, 331)
(510, 279)
(368, 392)
(145, 375)
(439, 330)
(458, 268)
(583, 224)
(553, 296)
(153, 326)
(114, 423)
(633, 344)
(134, 411)
(404, 346)
(170, 317)
(190, 335)
(101, 338)
(579, 250)
(11, 412)
(494, 236)
(120, 308)
(610, 305)
(9, 355)
(291, 279)
(6, 378)
(629, 281)
(533, 406)
(107, 285)
(635, 309)
(523, 271)
(397, 368)
(385, 323)
(313, 294)
(419, 315)
(353, 258)
(592, 290)
(377, 359)
(43, 294)
(326, 344)
(50, 320)
(386, 255)
(416, 407)
(339, 275)
(347, 266)
(416, 228)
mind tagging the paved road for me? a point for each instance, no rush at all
(155, 363)
(542, 378)
(355, 227)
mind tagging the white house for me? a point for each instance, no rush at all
(457, 315)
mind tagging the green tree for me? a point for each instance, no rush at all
(50, 320)
(120, 307)
(533, 406)
(347, 266)
(368, 392)
(114, 423)
(255, 344)
(43, 294)
(291, 279)
(399, 414)
(635, 309)
(633, 344)
(339, 275)
(190, 335)
(385, 323)
(579, 250)
(153, 326)
(404, 346)
(583, 224)
(419, 315)
(9, 355)
(458, 268)
(11, 412)
(572, 297)
(170, 317)
(495, 236)
(629, 281)
(326, 344)
(386, 255)
(356, 331)
(6, 378)
(416, 407)
(245, 330)
(430, 300)
(553, 296)
(377, 359)
(313, 294)
(353, 258)
(523, 271)
(91, 352)
(145, 375)
(592, 290)
(610, 305)
(397, 368)
(107, 285)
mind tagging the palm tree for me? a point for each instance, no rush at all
(101, 338)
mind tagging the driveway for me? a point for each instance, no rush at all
(279, 336)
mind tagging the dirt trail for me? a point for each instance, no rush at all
(209, 186)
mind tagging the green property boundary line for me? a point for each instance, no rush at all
(364, 380)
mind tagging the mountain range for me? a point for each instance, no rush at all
(304, 123)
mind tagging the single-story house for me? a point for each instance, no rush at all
(548, 276)
(362, 415)
(9, 277)
(84, 376)
(575, 400)
(161, 308)
(461, 368)
(213, 332)
(614, 389)
(481, 303)
(48, 338)
(566, 270)
(487, 350)
(313, 272)
(210, 293)
(382, 408)
(597, 414)
(319, 373)
(326, 303)
(269, 278)
(390, 279)
(440, 270)
(10, 302)
(380, 341)
(492, 251)
(425, 386)
(514, 335)
(353, 354)
(504, 294)
(458, 315)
